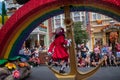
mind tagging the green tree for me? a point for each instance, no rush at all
(80, 35)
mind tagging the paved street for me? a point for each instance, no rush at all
(104, 73)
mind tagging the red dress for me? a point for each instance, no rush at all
(58, 49)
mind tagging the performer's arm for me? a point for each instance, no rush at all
(51, 47)
(66, 42)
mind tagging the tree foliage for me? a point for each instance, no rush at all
(80, 35)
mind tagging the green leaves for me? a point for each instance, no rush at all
(80, 34)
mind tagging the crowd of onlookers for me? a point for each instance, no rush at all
(86, 58)
(31, 55)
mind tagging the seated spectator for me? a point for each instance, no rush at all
(95, 59)
(34, 60)
(105, 52)
(112, 60)
(81, 62)
(25, 54)
(117, 47)
(105, 60)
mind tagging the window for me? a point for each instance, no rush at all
(57, 17)
(77, 19)
(98, 41)
(57, 21)
(82, 13)
(82, 18)
(96, 16)
(76, 14)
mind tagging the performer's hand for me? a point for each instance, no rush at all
(49, 53)
(69, 42)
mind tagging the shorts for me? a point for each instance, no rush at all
(83, 55)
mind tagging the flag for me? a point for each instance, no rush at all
(3, 12)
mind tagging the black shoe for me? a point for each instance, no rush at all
(61, 71)
(55, 64)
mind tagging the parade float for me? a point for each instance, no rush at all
(14, 69)
(22, 23)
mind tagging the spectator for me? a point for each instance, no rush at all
(81, 62)
(105, 52)
(117, 47)
(24, 53)
(96, 49)
(84, 49)
(95, 59)
(112, 60)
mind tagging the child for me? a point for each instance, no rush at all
(81, 62)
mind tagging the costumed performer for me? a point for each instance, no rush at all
(58, 50)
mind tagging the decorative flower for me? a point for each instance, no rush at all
(68, 22)
(99, 21)
(16, 74)
(23, 64)
(43, 26)
(113, 36)
(117, 25)
(10, 66)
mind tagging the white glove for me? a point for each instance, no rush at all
(69, 42)
(49, 53)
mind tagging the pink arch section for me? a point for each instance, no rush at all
(36, 8)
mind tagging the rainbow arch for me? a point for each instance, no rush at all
(21, 24)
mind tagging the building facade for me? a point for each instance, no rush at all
(97, 25)
(101, 28)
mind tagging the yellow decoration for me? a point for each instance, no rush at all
(10, 66)
(5, 17)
